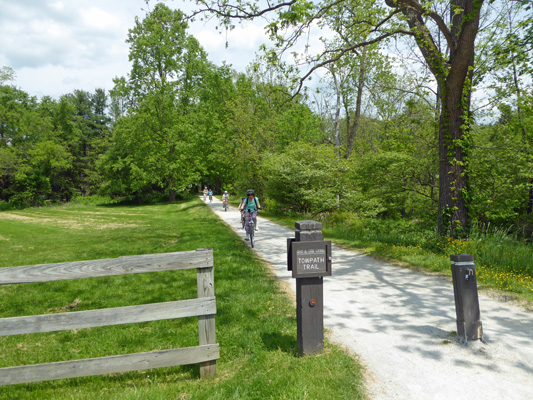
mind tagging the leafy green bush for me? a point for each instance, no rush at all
(4, 205)
(307, 177)
(396, 185)
(95, 199)
(524, 227)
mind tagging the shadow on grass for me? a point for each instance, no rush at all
(278, 341)
(132, 202)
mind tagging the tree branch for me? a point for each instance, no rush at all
(340, 53)
(416, 6)
(226, 10)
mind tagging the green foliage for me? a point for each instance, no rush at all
(263, 121)
(397, 180)
(215, 141)
(7, 74)
(48, 148)
(95, 200)
(307, 177)
(156, 144)
(178, 121)
(501, 168)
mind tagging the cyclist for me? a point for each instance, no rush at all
(210, 195)
(251, 205)
(205, 193)
(225, 199)
(241, 209)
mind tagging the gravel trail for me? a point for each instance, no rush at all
(399, 323)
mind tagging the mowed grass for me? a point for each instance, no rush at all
(255, 322)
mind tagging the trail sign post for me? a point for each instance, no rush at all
(309, 259)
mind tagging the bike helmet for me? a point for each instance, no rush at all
(244, 198)
(225, 191)
(249, 192)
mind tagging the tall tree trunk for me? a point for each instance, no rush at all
(172, 191)
(337, 114)
(453, 174)
(454, 125)
(454, 77)
(530, 202)
(352, 130)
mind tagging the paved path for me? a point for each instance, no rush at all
(399, 322)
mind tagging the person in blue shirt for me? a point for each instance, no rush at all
(210, 195)
(251, 205)
(241, 209)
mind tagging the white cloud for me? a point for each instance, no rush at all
(209, 40)
(97, 18)
(236, 47)
(57, 5)
(48, 29)
(56, 47)
(248, 37)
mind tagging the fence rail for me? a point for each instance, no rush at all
(204, 307)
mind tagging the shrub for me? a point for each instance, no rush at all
(306, 178)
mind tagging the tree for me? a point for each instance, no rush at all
(509, 69)
(264, 122)
(160, 95)
(400, 175)
(451, 62)
(500, 171)
(7, 74)
(35, 161)
(90, 131)
(307, 177)
(215, 143)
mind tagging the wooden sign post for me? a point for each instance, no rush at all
(309, 259)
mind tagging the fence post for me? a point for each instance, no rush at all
(206, 323)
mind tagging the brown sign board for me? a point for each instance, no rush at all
(310, 259)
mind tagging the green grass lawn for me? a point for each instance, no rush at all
(255, 322)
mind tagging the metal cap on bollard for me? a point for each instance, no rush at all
(469, 325)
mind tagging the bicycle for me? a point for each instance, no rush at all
(252, 228)
(243, 220)
(225, 205)
(252, 231)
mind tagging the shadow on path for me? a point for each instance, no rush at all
(402, 323)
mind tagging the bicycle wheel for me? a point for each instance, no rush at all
(252, 233)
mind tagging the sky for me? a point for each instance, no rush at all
(58, 46)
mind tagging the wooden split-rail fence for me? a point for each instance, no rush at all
(204, 307)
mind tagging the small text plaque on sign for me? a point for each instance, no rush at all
(311, 259)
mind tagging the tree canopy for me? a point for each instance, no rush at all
(383, 137)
